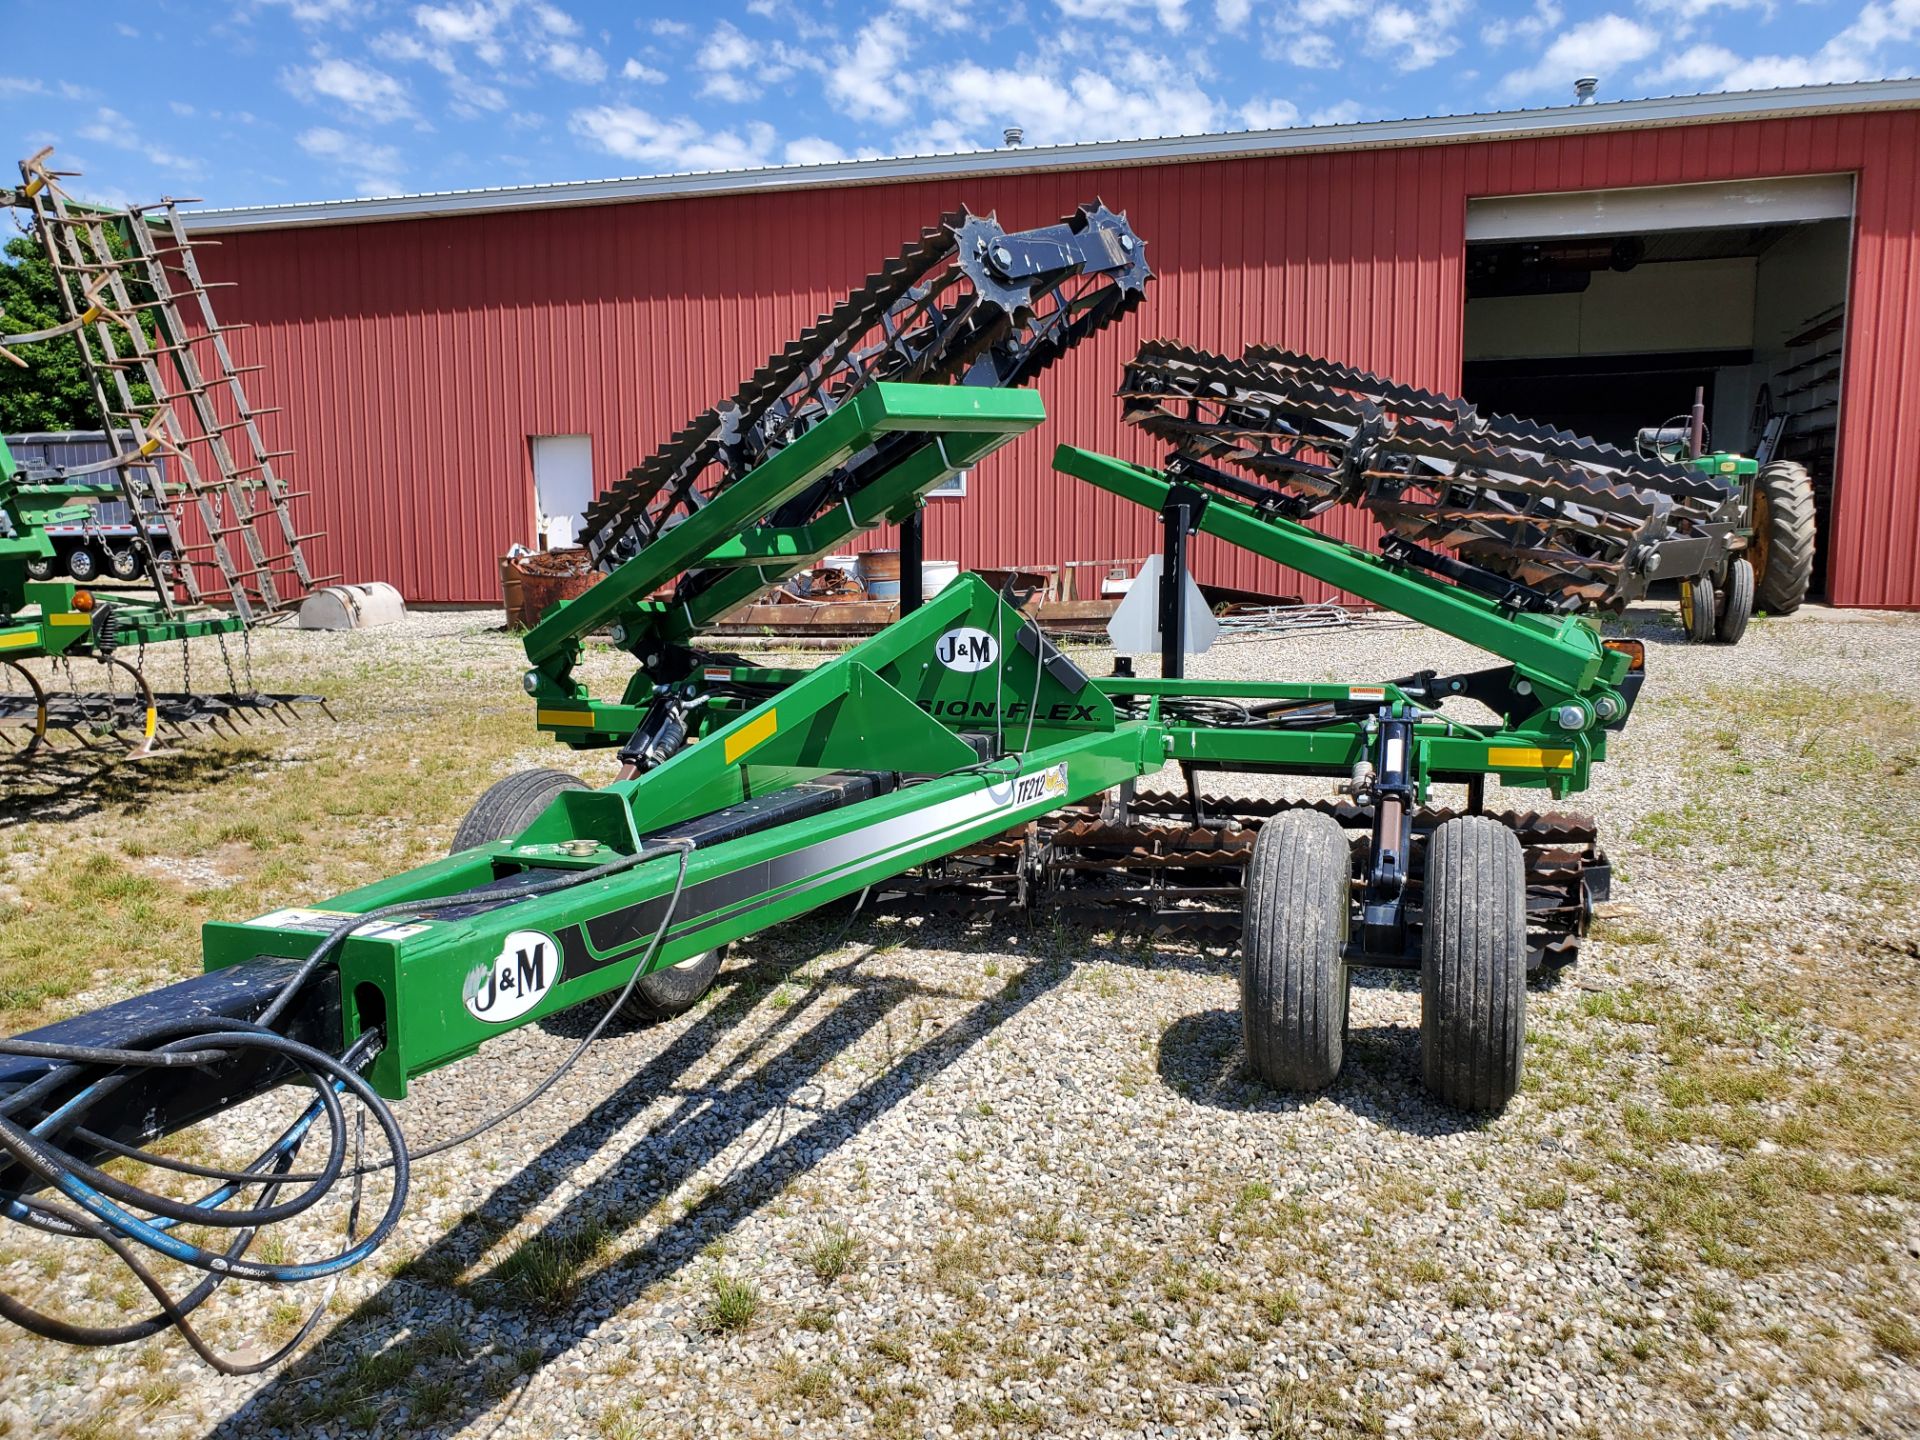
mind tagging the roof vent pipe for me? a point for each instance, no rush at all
(1014, 135)
(1583, 89)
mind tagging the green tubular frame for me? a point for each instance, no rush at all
(975, 752)
(961, 425)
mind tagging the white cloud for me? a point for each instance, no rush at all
(812, 150)
(1133, 14)
(371, 94)
(1269, 114)
(1691, 10)
(579, 63)
(736, 66)
(1232, 14)
(868, 82)
(1143, 95)
(460, 25)
(728, 60)
(26, 85)
(1346, 112)
(554, 20)
(1855, 52)
(1545, 16)
(1322, 34)
(1414, 38)
(645, 74)
(671, 27)
(678, 144)
(319, 12)
(110, 127)
(375, 169)
(940, 14)
(1602, 46)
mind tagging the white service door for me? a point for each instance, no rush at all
(562, 486)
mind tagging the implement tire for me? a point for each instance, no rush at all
(1736, 603)
(510, 805)
(1473, 964)
(674, 990)
(1783, 536)
(1698, 609)
(1293, 965)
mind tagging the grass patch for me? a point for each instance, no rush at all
(833, 1255)
(732, 1306)
(545, 1272)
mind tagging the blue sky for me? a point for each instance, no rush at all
(259, 101)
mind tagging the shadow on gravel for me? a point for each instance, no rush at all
(76, 784)
(771, 1087)
(1202, 1058)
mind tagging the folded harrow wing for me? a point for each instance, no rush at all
(211, 525)
(934, 755)
(1536, 516)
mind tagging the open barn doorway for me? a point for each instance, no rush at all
(1604, 311)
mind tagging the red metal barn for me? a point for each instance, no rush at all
(1590, 264)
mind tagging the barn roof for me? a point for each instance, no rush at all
(1897, 94)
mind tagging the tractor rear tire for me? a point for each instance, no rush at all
(1473, 964)
(1735, 602)
(510, 805)
(1293, 963)
(1783, 536)
(1698, 611)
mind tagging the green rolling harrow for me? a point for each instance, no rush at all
(958, 756)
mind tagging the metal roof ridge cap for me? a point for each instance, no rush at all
(1897, 93)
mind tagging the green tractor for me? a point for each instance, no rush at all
(1768, 561)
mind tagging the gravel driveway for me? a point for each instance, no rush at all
(911, 1178)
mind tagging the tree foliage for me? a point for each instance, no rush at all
(51, 392)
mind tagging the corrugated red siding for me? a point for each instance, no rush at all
(414, 358)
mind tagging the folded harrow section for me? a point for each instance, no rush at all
(1540, 517)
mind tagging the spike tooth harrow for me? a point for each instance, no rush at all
(123, 273)
(1581, 521)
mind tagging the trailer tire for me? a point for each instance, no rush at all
(82, 564)
(1697, 609)
(124, 564)
(1735, 602)
(1473, 964)
(1293, 964)
(40, 567)
(1783, 536)
(510, 805)
(674, 990)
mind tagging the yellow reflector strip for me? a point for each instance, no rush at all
(571, 719)
(19, 640)
(68, 619)
(1528, 757)
(748, 736)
